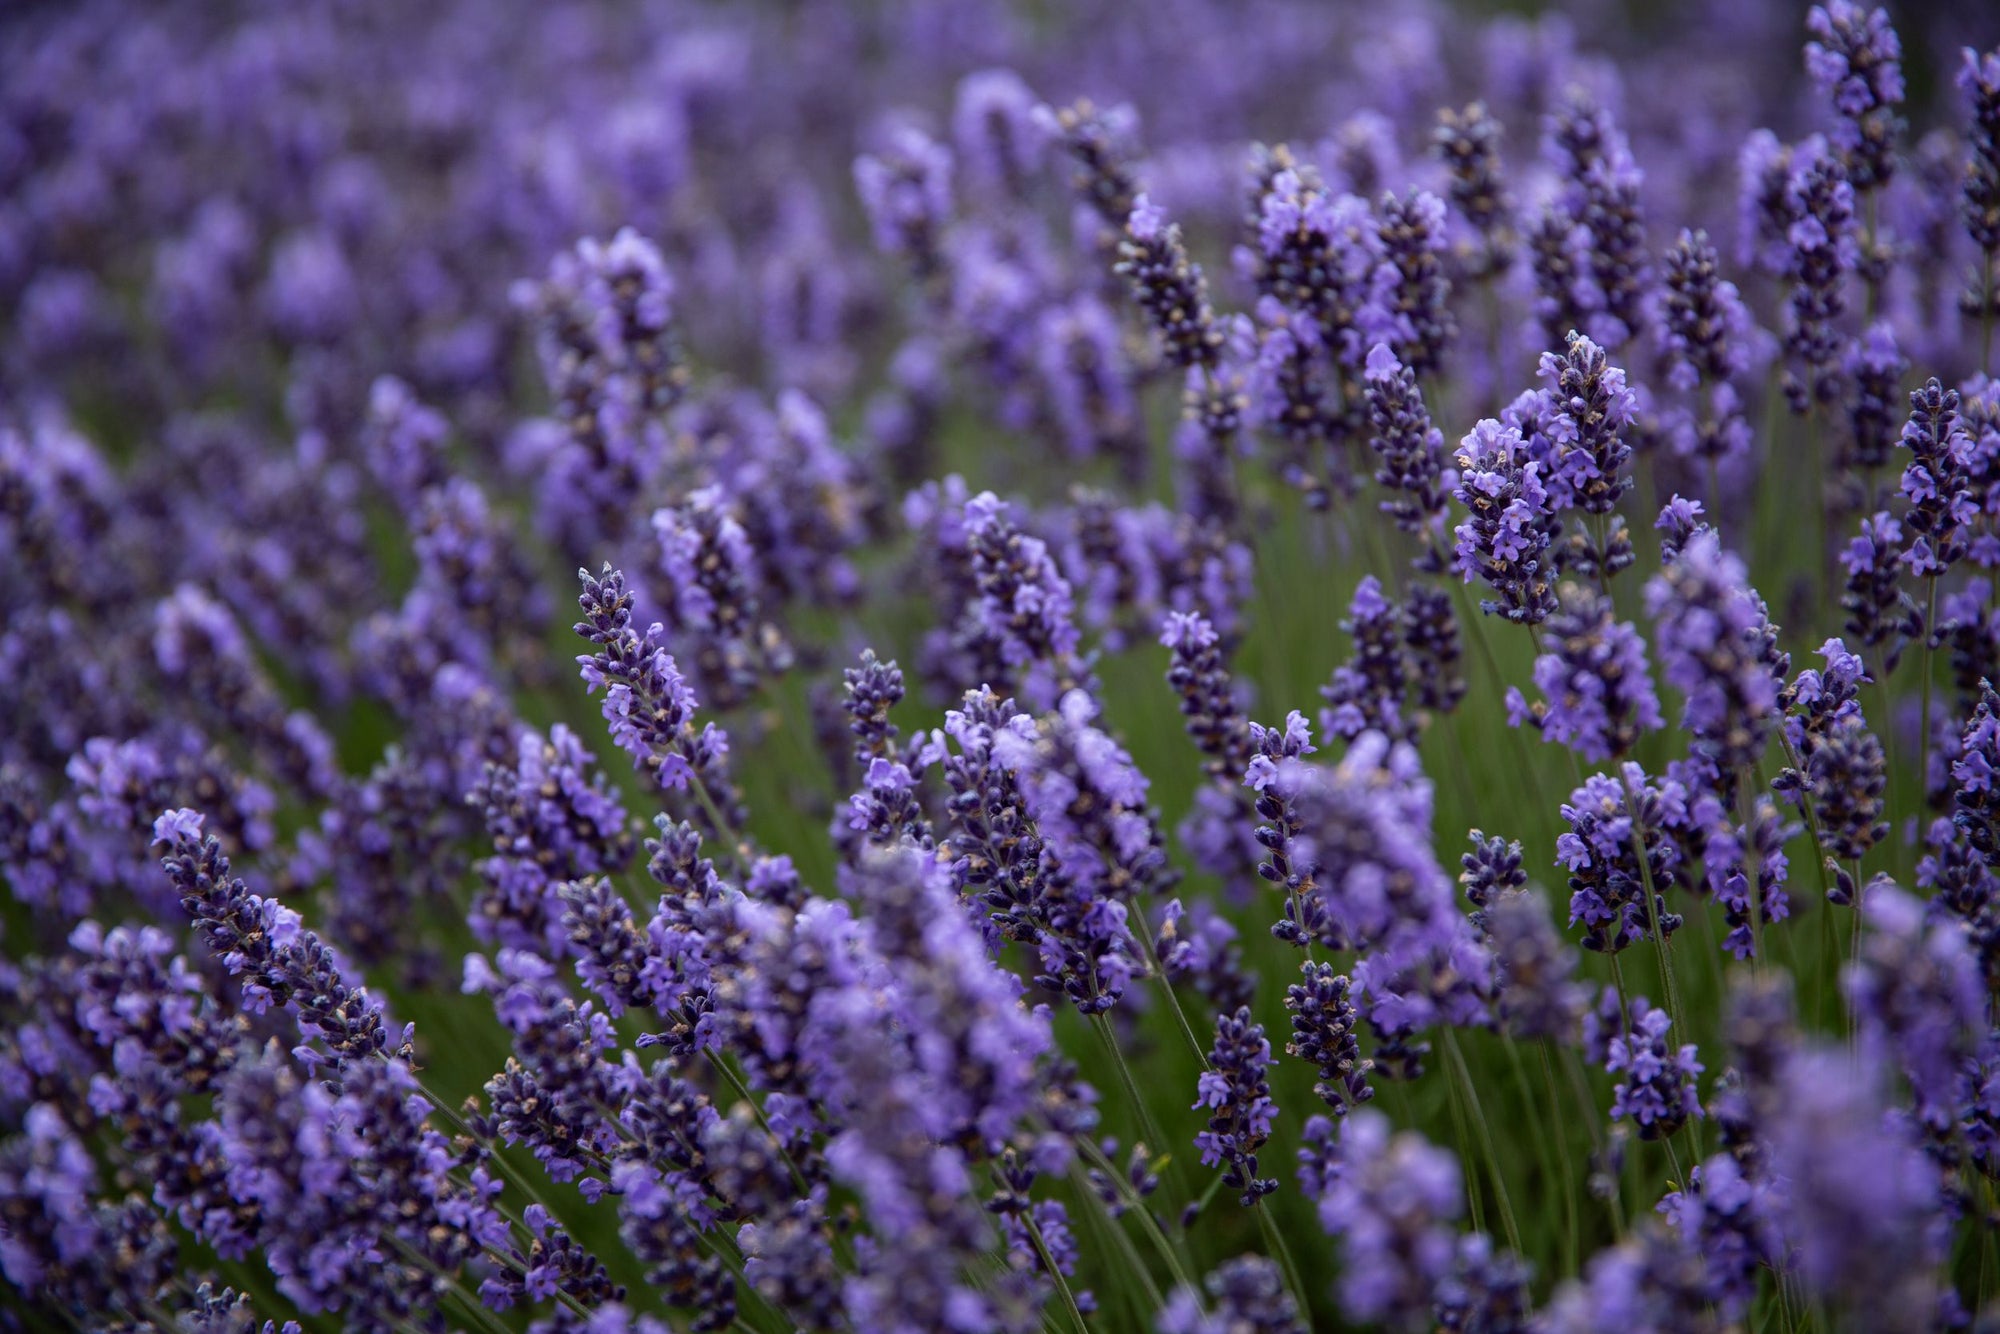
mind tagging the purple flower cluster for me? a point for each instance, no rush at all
(824, 339)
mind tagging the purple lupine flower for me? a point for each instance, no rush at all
(1418, 293)
(1367, 692)
(1612, 823)
(1856, 62)
(1865, 1238)
(1238, 1098)
(1935, 482)
(1704, 332)
(1657, 1088)
(647, 702)
(1323, 1025)
(906, 191)
(1168, 286)
(1718, 648)
(1248, 1295)
(1597, 694)
(1394, 1200)
(1468, 143)
(1409, 450)
(1506, 538)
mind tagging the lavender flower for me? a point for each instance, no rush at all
(1411, 234)
(1241, 1112)
(647, 702)
(1879, 612)
(1506, 537)
(713, 601)
(1717, 647)
(1366, 693)
(1248, 1295)
(1099, 144)
(906, 190)
(1935, 482)
(1866, 1240)
(1537, 994)
(1704, 332)
(1394, 1202)
(1323, 1026)
(1597, 695)
(262, 942)
(1409, 449)
(1657, 1084)
(1600, 191)
(1468, 143)
(1855, 61)
(1168, 286)
(1979, 81)
(1613, 823)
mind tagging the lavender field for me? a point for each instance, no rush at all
(1190, 667)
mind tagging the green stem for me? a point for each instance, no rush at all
(1564, 1169)
(1276, 1236)
(1143, 1113)
(1485, 1129)
(1055, 1273)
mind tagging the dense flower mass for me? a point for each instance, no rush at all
(969, 432)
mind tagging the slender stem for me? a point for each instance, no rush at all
(1167, 986)
(1102, 1222)
(1563, 1170)
(1930, 639)
(1473, 1199)
(1140, 1109)
(1986, 304)
(1276, 1236)
(1754, 864)
(1485, 1129)
(1054, 1272)
(1179, 1265)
